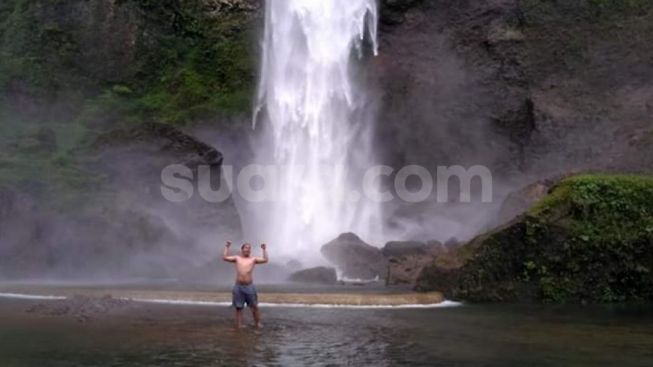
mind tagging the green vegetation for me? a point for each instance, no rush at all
(187, 63)
(202, 66)
(171, 61)
(590, 240)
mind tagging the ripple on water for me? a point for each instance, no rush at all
(173, 335)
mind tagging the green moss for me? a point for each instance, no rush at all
(589, 240)
(199, 79)
(200, 67)
(189, 64)
(601, 207)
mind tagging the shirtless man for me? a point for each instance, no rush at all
(244, 290)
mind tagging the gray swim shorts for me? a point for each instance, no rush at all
(244, 294)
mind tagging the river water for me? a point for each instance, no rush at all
(469, 335)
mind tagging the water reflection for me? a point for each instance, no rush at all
(157, 335)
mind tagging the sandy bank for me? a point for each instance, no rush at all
(224, 298)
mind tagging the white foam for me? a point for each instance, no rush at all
(444, 304)
(29, 296)
(359, 280)
(179, 301)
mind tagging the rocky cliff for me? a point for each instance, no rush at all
(528, 88)
(588, 240)
(80, 84)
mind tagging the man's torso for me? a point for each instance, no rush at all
(244, 269)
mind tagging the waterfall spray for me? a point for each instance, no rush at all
(316, 124)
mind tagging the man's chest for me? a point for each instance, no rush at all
(246, 263)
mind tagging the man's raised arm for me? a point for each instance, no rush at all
(264, 259)
(225, 254)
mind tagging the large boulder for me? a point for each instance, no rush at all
(519, 201)
(408, 248)
(355, 258)
(405, 270)
(121, 226)
(589, 240)
(407, 258)
(135, 158)
(317, 275)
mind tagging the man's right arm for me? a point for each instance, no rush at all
(225, 254)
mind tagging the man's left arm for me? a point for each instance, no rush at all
(264, 259)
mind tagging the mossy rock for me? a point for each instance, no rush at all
(589, 240)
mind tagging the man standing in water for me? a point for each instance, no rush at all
(244, 291)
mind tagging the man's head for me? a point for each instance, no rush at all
(246, 249)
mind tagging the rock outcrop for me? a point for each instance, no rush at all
(525, 88)
(151, 147)
(317, 275)
(406, 260)
(355, 258)
(125, 227)
(76, 74)
(589, 240)
(498, 83)
(409, 248)
(519, 201)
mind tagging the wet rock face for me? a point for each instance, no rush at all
(96, 37)
(434, 101)
(355, 258)
(135, 159)
(106, 40)
(408, 248)
(519, 201)
(405, 270)
(128, 229)
(393, 11)
(12, 203)
(497, 83)
(149, 148)
(317, 275)
(406, 259)
(556, 251)
(398, 262)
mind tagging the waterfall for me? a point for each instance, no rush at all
(315, 122)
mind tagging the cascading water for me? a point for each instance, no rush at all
(315, 121)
